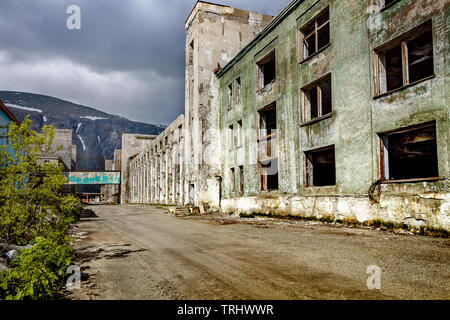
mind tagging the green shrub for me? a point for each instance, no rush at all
(37, 273)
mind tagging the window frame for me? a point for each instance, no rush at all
(402, 40)
(317, 28)
(263, 178)
(384, 153)
(303, 98)
(309, 177)
(273, 106)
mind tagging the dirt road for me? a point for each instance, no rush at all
(138, 252)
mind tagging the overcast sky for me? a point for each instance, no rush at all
(127, 59)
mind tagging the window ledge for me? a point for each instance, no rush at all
(411, 180)
(404, 87)
(315, 54)
(267, 88)
(307, 123)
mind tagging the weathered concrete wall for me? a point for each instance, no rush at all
(132, 145)
(356, 122)
(214, 35)
(62, 149)
(157, 173)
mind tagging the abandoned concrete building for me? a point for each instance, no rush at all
(331, 108)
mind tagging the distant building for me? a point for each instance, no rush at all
(6, 118)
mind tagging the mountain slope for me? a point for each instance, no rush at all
(97, 134)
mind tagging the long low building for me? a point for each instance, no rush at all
(331, 108)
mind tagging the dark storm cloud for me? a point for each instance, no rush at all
(127, 59)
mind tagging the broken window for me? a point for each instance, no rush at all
(316, 34)
(267, 121)
(239, 133)
(406, 60)
(238, 90)
(410, 153)
(230, 96)
(267, 70)
(268, 172)
(241, 179)
(320, 167)
(232, 181)
(231, 137)
(317, 99)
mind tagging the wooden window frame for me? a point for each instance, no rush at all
(308, 175)
(268, 107)
(315, 32)
(384, 153)
(263, 178)
(403, 40)
(304, 111)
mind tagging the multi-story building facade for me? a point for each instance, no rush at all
(336, 108)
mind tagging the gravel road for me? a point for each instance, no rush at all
(140, 252)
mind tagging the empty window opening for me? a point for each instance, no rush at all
(320, 167)
(407, 60)
(268, 171)
(239, 133)
(232, 180)
(238, 90)
(267, 121)
(267, 70)
(231, 136)
(317, 99)
(241, 180)
(230, 96)
(316, 34)
(410, 154)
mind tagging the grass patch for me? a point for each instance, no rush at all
(351, 222)
(326, 219)
(433, 232)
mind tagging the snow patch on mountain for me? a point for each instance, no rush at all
(82, 142)
(93, 118)
(10, 105)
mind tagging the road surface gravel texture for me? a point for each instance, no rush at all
(141, 252)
